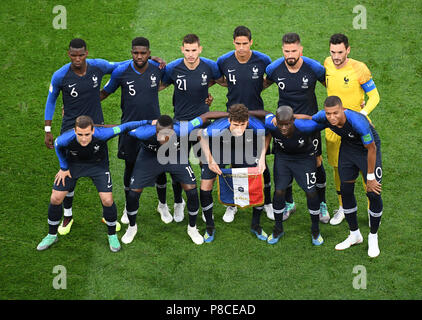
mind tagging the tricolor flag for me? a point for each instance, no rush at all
(241, 187)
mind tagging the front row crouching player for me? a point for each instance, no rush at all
(295, 157)
(82, 152)
(231, 142)
(360, 150)
(161, 151)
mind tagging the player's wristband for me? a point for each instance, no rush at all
(370, 176)
(47, 128)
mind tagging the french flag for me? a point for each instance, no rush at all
(241, 187)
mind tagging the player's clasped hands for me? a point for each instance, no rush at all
(61, 176)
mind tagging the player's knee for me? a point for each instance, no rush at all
(321, 176)
(279, 199)
(347, 187)
(161, 179)
(133, 200)
(312, 199)
(207, 184)
(192, 200)
(107, 201)
(57, 197)
(206, 198)
(110, 212)
(347, 195)
(188, 187)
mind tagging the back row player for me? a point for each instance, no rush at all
(296, 77)
(244, 71)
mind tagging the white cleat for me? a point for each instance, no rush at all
(338, 216)
(179, 209)
(354, 237)
(373, 249)
(124, 219)
(195, 235)
(130, 234)
(269, 210)
(164, 211)
(229, 214)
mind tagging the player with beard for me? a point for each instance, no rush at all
(296, 77)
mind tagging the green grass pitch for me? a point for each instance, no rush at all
(162, 263)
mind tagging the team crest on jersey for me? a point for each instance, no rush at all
(153, 80)
(305, 82)
(301, 142)
(95, 79)
(255, 72)
(346, 81)
(204, 79)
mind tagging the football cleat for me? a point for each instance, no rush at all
(209, 235)
(338, 216)
(324, 216)
(179, 213)
(47, 242)
(373, 249)
(351, 240)
(289, 209)
(65, 226)
(229, 214)
(318, 241)
(195, 235)
(260, 234)
(130, 234)
(275, 236)
(114, 243)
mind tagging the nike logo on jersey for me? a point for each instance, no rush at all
(280, 79)
(130, 82)
(72, 85)
(351, 135)
(181, 76)
(228, 70)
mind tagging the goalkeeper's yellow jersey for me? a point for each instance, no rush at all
(349, 82)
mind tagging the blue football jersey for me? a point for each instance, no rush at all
(81, 94)
(356, 131)
(244, 80)
(300, 144)
(190, 87)
(139, 92)
(297, 90)
(69, 150)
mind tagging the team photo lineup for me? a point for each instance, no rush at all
(231, 143)
(208, 158)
